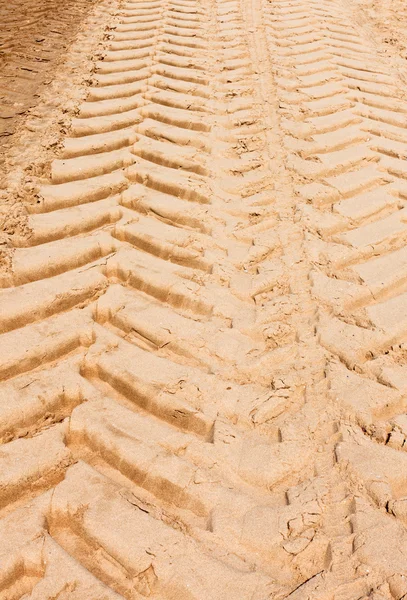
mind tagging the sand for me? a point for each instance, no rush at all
(203, 321)
(34, 36)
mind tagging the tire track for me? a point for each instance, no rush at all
(143, 253)
(189, 415)
(344, 139)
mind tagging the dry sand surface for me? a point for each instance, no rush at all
(203, 304)
(34, 35)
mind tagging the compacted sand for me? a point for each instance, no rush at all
(203, 304)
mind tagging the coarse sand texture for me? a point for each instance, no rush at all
(203, 301)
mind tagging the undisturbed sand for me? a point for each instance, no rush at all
(203, 313)
(34, 36)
